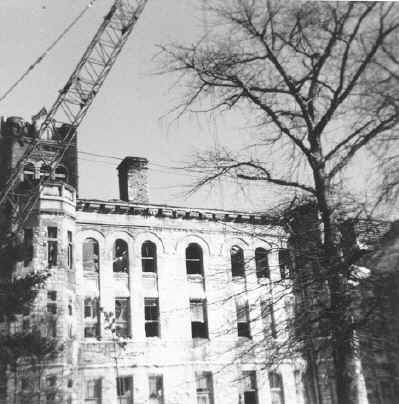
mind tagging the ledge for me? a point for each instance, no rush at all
(150, 210)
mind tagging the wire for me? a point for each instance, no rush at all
(47, 51)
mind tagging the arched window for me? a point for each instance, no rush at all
(29, 172)
(285, 264)
(91, 256)
(194, 264)
(262, 263)
(61, 173)
(45, 172)
(149, 257)
(121, 256)
(237, 261)
(276, 388)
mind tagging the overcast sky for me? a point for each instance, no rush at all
(126, 117)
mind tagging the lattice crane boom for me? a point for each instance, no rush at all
(74, 100)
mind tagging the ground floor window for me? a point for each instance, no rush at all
(156, 389)
(93, 391)
(204, 387)
(124, 390)
(249, 393)
(276, 388)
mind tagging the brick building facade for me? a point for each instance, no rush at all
(153, 304)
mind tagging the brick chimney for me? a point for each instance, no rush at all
(133, 186)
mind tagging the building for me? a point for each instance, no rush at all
(153, 303)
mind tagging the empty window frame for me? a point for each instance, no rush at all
(276, 388)
(285, 264)
(122, 317)
(52, 246)
(151, 313)
(121, 256)
(149, 257)
(243, 327)
(28, 246)
(69, 250)
(249, 393)
(90, 255)
(237, 261)
(262, 263)
(194, 259)
(52, 302)
(45, 172)
(268, 317)
(204, 387)
(199, 322)
(124, 390)
(61, 173)
(91, 314)
(93, 391)
(29, 172)
(155, 385)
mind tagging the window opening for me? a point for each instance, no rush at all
(262, 263)
(243, 327)
(122, 314)
(151, 310)
(91, 314)
(199, 326)
(52, 246)
(149, 257)
(237, 261)
(156, 389)
(121, 256)
(90, 255)
(124, 390)
(194, 259)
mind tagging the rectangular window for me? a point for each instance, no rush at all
(156, 389)
(124, 390)
(70, 250)
(28, 246)
(249, 394)
(204, 387)
(90, 315)
(268, 318)
(199, 323)
(93, 391)
(151, 311)
(122, 314)
(285, 264)
(276, 388)
(243, 327)
(52, 302)
(52, 246)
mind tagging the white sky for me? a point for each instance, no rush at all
(125, 118)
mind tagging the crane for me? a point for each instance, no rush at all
(71, 105)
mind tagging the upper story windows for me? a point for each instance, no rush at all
(45, 172)
(285, 264)
(237, 261)
(121, 256)
(91, 258)
(149, 257)
(52, 246)
(29, 172)
(60, 173)
(262, 263)
(194, 260)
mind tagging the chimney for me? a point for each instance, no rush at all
(133, 185)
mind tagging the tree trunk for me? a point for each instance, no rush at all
(343, 355)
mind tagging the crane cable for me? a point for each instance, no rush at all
(48, 50)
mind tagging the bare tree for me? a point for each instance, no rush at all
(313, 79)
